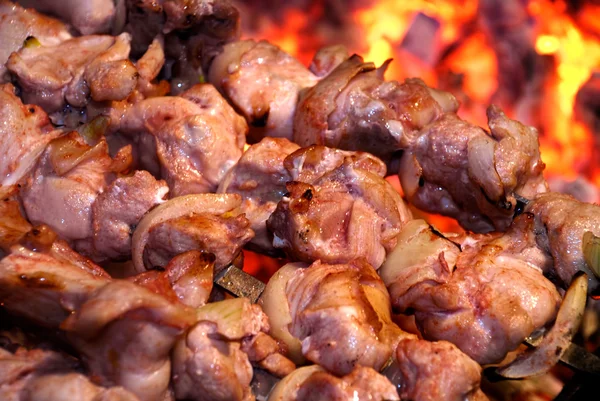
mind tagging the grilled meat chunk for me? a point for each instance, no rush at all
(260, 177)
(485, 297)
(435, 371)
(70, 72)
(212, 361)
(120, 208)
(24, 133)
(263, 82)
(448, 166)
(125, 333)
(39, 375)
(188, 277)
(17, 25)
(346, 211)
(459, 170)
(560, 223)
(197, 138)
(88, 17)
(313, 383)
(337, 316)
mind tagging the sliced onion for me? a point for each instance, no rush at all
(67, 152)
(591, 252)
(286, 389)
(178, 207)
(228, 315)
(274, 304)
(539, 360)
(94, 130)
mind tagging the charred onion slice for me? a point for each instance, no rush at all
(175, 208)
(591, 252)
(539, 360)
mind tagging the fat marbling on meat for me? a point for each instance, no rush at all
(260, 177)
(485, 294)
(263, 82)
(338, 208)
(197, 137)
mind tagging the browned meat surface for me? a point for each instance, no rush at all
(344, 213)
(560, 223)
(17, 24)
(88, 17)
(53, 76)
(118, 209)
(312, 383)
(210, 363)
(65, 184)
(46, 287)
(13, 226)
(340, 314)
(260, 177)
(197, 137)
(459, 170)
(436, 371)
(125, 333)
(224, 235)
(485, 299)
(353, 108)
(188, 277)
(327, 59)
(264, 351)
(263, 82)
(24, 133)
(448, 166)
(37, 375)
(311, 163)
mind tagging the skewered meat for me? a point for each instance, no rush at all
(486, 299)
(88, 17)
(65, 184)
(188, 277)
(24, 133)
(211, 364)
(353, 108)
(459, 170)
(38, 375)
(346, 211)
(560, 223)
(71, 71)
(198, 137)
(125, 334)
(211, 223)
(313, 383)
(260, 177)
(435, 371)
(120, 208)
(46, 287)
(334, 315)
(263, 82)
(17, 24)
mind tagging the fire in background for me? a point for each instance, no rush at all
(538, 59)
